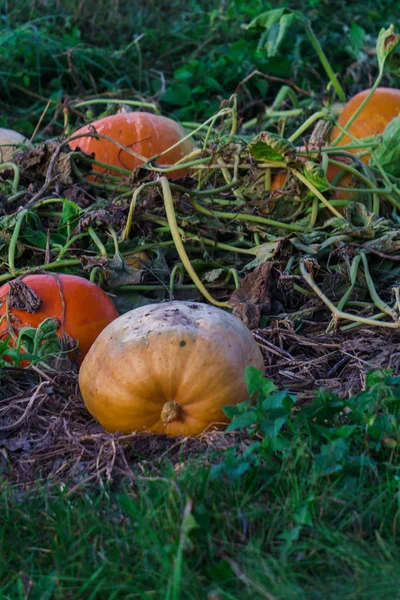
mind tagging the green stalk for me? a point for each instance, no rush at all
(316, 192)
(13, 242)
(69, 243)
(143, 287)
(116, 101)
(324, 61)
(240, 217)
(338, 314)
(97, 241)
(318, 115)
(379, 303)
(132, 207)
(13, 166)
(48, 267)
(367, 182)
(170, 212)
(359, 109)
(97, 276)
(314, 213)
(177, 270)
(233, 272)
(353, 278)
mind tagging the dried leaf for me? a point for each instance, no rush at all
(35, 163)
(252, 297)
(23, 297)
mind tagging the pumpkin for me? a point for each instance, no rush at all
(382, 107)
(82, 308)
(347, 180)
(168, 368)
(9, 142)
(145, 133)
(137, 260)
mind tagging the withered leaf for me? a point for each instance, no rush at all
(252, 297)
(91, 217)
(35, 162)
(23, 297)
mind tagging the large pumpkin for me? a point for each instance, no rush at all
(168, 368)
(382, 107)
(82, 308)
(145, 133)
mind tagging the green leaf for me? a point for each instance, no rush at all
(242, 421)
(330, 459)
(256, 382)
(276, 24)
(357, 38)
(236, 409)
(314, 173)
(271, 430)
(263, 253)
(269, 147)
(70, 211)
(387, 42)
(376, 377)
(387, 154)
(179, 94)
(279, 400)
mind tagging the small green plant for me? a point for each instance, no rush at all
(330, 436)
(33, 345)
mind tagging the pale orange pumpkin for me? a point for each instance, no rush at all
(168, 368)
(11, 142)
(146, 134)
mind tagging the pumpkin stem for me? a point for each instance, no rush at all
(171, 411)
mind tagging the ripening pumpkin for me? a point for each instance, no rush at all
(347, 180)
(10, 141)
(168, 368)
(145, 133)
(382, 107)
(82, 308)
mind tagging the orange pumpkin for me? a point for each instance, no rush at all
(82, 308)
(168, 368)
(382, 107)
(145, 133)
(279, 179)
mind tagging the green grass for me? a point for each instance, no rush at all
(238, 541)
(190, 55)
(313, 514)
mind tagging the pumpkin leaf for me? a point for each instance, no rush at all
(387, 42)
(387, 154)
(213, 275)
(270, 147)
(315, 174)
(263, 253)
(70, 211)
